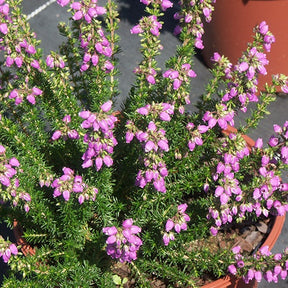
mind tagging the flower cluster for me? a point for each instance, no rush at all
(165, 4)
(150, 74)
(273, 266)
(271, 183)
(55, 61)
(65, 132)
(154, 144)
(161, 110)
(228, 189)
(7, 250)
(93, 47)
(69, 183)
(19, 94)
(19, 53)
(87, 10)
(9, 189)
(93, 41)
(251, 64)
(282, 81)
(181, 76)
(194, 17)
(178, 222)
(150, 24)
(223, 116)
(100, 137)
(281, 141)
(122, 243)
(196, 138)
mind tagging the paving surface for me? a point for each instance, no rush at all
(44, 16)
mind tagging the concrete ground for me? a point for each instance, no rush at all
(44, 16)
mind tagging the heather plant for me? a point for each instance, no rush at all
(141, 190)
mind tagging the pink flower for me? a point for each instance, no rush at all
(108, 66)
(95, 59)
(50, 61)
(265, 251)
(63, 2)
(169, 225)
(98, 163)
(106, 106)
(182, 208)
(66, 195)
(127, 223)
(164, 116)
(216, 57)
(277, 129)
(9, 61)
(149, 146)
(258, 276)
(5, 9)
(259, 143)
(13, 249)
(176, 84)
(35, 64)
(159, 185)
(31, 99)
(18, 61)
(14, 162)
(30, 49)
(166, 4)
(56, 135)
(263, 28)
(108, 161)
(202, 129)
(188, 18)
(273, 141)
(3, 28)
(236, 249)
(163, 145)
(84, 67)
(100, 10)
(232, 269)
(214, 231)
(207, 12)
(284, 152)
(136, 29)
(143, 110)
(76, 6)
(73, 134)
(150, 79)
(166, 239)
(78, 15)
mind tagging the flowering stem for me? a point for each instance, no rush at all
(112, 25)
(258, 113)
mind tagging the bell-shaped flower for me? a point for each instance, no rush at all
(106, 106)
(66, 195)
(163, 144)
(98, 163)
(169, 225)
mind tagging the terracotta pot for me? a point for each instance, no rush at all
(232, 26)
(20, 241)
(250, 142)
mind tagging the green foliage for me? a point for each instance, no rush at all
(57, 121)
